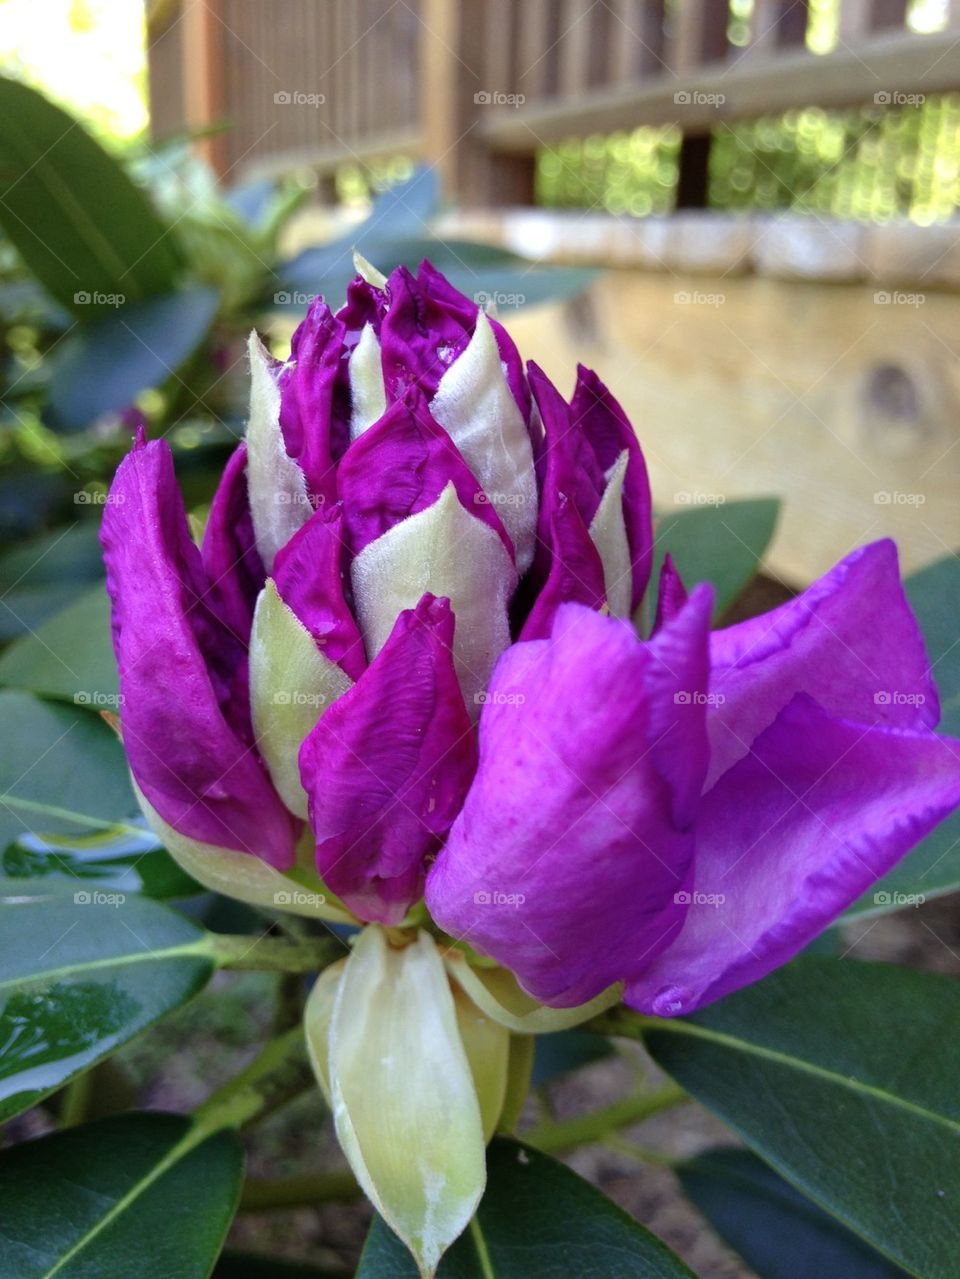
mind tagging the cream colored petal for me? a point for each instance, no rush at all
(608, 531)
(519, 1074)
(476, 407)
(404, 1103)
(368, 271)
(245, 877)
(291, 685)
(317, 1018)
(368, 395)
(497, 993)
(449, 552)
(279, 501)
(487, 1045)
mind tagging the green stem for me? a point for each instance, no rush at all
(274, 954)
(624, 1023)
(76, 1100)
(278, 1074)
(297, 1192)
(555, 1136)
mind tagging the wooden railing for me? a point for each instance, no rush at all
(476, 87)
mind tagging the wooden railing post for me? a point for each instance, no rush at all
(459, 84)
(700, 38)
(203, 61)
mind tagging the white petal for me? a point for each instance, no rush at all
(404, 1103)
(475, 405)
(291, 685)
(247, 878)
(368, 395)
(317, 1019)
(279, 501)
(608, 531)
(367, 271)
(497, 993)
(449, 552)
(487, 1045)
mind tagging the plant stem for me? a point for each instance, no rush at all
(76, 1100)
(274, 954)
(278, 1074)
(555, 1136)
(264, 1195)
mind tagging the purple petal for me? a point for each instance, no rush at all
(315, 399)
(850, 641)
(400, 466)
(365, 304)
(229, 550)
(791, 836)
(607, 429)
(308, 576)
(574, 839)
(187, 735)
(672, 594)
(387, 766)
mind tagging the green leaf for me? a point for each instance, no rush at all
(82, 970)
(843, 1076)
(119, 861)
(565, 1050)
(779, 1233)
(722, 544)
(62, 770)
(42, 574)
(76, 219)
(537, 1220)
(102, 367)
(131, 1195)
(933, 867)
(68, 656)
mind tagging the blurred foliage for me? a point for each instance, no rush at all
(871, 164)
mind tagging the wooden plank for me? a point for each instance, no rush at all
(327, 156)
(533, 45)
(574, 47)
(755, 87)
(699, 35)
(203, 96)
(859, 18)
(777, 25)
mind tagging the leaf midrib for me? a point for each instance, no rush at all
(201, 948)
(804, 1066)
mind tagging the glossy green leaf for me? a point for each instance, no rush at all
(933, 867)
(537, 1220)
(843, 1076)
(79, 223)
(41, 575)
(779, 1233)
(62, 770)
(68, 656)
(118, 861)
(126, 1196)
(102, 367)
(564, 1051)
(82, 970)
(722, 544)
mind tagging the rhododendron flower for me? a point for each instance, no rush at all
(401, 665)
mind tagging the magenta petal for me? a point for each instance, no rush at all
(607, 428)
(187, 736)
(400, 466)
(315, 399)
(574, 840)
(387, 766)
(420, 337)
(791, 836)
(308, 577)
(672, 594)
(850, 641)
(229, 550)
